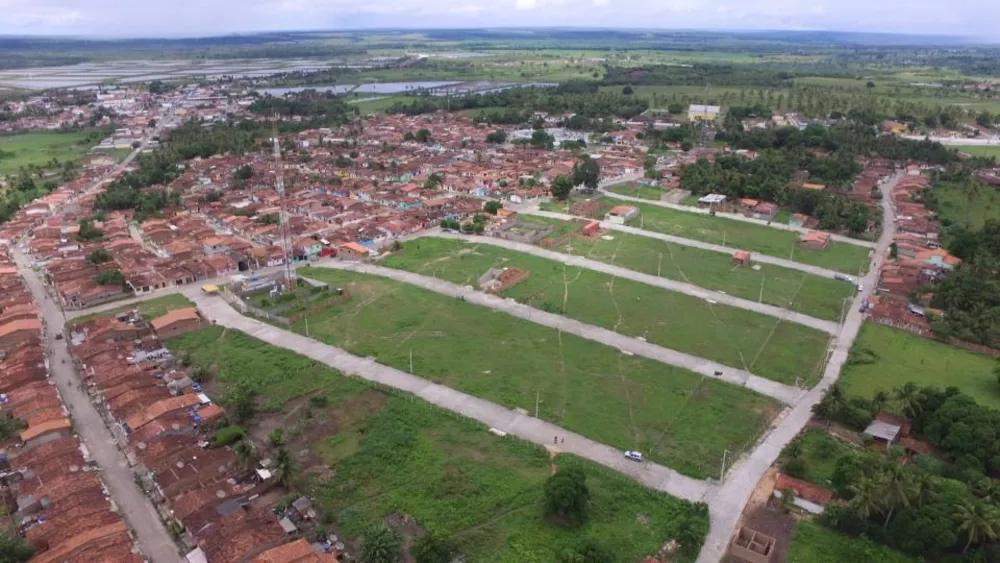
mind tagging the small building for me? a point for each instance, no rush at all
(765, 211)
(711, 199)
(699, 112)
(752, 546)
(354, 251)
(18, 331)
(741, 258)
(591, 228)
(808, 496)
(815, 240)
(813, 187)
(176, 322)
(884, 432)
(621, 214)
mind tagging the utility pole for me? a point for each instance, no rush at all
(760, 298)
(722, 472)
(659, 266)
(307, 325)
(411, 361)
(538, 397)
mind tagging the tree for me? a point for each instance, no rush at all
(284, 467)
(566, 496)
(245, 455)
(907, 399)
(870, 85)
(433, 181)
(110, 277)
(244, 172)
(561, 187)
(88, 231)
(409, 136)
(587, 551)
(497, 137)
(675, 109)
(14, 549)
(686, 146)
(587, 172)
(381, 545)
(979, 522)
(542, 140)
(879, 400)
(423, 136)
(898, 489)
(893, 251)
(627, 91)
(434, 548)
(492, 207)
(99, 256)
(277, 437)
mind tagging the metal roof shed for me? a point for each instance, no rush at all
(883, 430)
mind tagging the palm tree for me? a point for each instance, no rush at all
(979, 521)
(923, 487)
(868, 495)
(284, 467)
(879, 401)
(988, 491)
(245, 455)
(897, 490)
(907, 399)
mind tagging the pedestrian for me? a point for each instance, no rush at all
(555, 439)
(563, 440)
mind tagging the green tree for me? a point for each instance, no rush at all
(893, 251)
(567, 496)
(979, 522)
(110, 277)
(14, 549)
(627, 91)
(423, 136)
(908, 398)
(492, 207)
(381, 544)
(276, 438)
(561, 187)
(434, 548)
(587, 551)
(284, 467)
(868, 497)
(245, 455)
(587, 172)
(244, 172)
(497, 137)
(542, 140)
(88, 231)
(99, 256)
(898, 489)
(677, 109)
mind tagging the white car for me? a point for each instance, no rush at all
(861, 287)
(633, 455)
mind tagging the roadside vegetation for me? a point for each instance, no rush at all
(150, 308)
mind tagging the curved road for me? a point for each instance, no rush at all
(671, 285)
(785, 393)
(757, 257)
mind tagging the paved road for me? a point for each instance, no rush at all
(671, 285)
(137, 509)
(493, 415)
(735, 217)
(726, 505)
(757, 257)
(785, 393)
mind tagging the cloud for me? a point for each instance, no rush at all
(132, 18)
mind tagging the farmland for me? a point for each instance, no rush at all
(736, 337)
(623, 401)
(884, 358)
(717, 230)
(395, 456)
(38, 149)
(150, 308)
(782, 287)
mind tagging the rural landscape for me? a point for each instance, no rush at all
(500, 295)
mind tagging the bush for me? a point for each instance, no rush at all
(795, 467)
(228, 435)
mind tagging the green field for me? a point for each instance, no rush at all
(395, 455)
(676, 417)
(968, 205)
(979, 150)
(820, 452)
(842, 257)
(642, 191)
(40, 148)
(898, 357)
(813, 543)
(782, 287)
(744, 339)
(150, 309)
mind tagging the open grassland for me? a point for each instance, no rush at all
(790, 289)
(980, 150)
(842, 257)
(150, 309)
(638, 190)
(24, 149)
(967, 205)
(884, 358)
(675, 416)
(395, 455)
(743, 339)
(813, 543)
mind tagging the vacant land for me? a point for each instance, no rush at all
(790, 289)
(675, 416)
(639, 190)
(398, 457)
(819, 451)
(39, 149)
(764, 345)
(813, 543)
(884, 358)
(150, 309)
(981, 150)
(739, 235)
(970, 206)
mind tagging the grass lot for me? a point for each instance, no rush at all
(979, 150)
(774, 285)
(735, 337)
(813, 543)
(748, 236)
(960, 205)
(150, 309)
(394, 454)
(897, 357)
(820, 452)
(40, 148)
(674, 416)
(639, 190)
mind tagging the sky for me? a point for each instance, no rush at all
(189, 18)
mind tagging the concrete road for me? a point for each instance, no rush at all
(523, 426)
(757, 257)
(726, 505)
(151, 535)
(785, 393)
(734, 217)
(671, 285)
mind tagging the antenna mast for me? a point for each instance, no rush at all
(279, 187)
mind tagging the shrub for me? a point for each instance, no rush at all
(228, 435)
(795, 467)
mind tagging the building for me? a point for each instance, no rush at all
(815, 240)
(16, 332)
(697, 112)
(176, 322)
(621, 214)
(354, 251)
(741, 258)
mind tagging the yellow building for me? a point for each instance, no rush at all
(697, 112)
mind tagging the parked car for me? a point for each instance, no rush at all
(633, 455)
(59, 336)
(861, 286)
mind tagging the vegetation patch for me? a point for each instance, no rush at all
(150, 308)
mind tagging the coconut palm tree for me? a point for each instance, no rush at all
(923, 487)
(284, 467)
(868, 497)
(907, 399)
(879, 401)
(897, 488)
(245, 454)
(978, 520)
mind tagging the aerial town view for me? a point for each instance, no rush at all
(412, 289)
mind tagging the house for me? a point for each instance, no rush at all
(808, 496)
(765, 211)
(753, 546)
(176, 322)
(19, 331)
(697, 112)
(741, 258)
(883, 431)
(354, 251)
(621, 214)
(813, 187)
(815, 240)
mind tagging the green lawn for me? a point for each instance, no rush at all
(736, 337)
(40, 148)
(820, 452)
(674, 416)
(898, 357)
(813, 543)
(963, 205)
(150, 309)
(746, 236)
(790, 289)
(639, 190)
(394, 455)
(980, 150)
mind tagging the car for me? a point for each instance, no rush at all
(633, 455)
(861, 287)
(59, 336)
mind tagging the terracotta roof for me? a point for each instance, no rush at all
(184, 314)
(162, 407)
(22, 324)
(355, 247)
(45, 428)
(299, 551)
